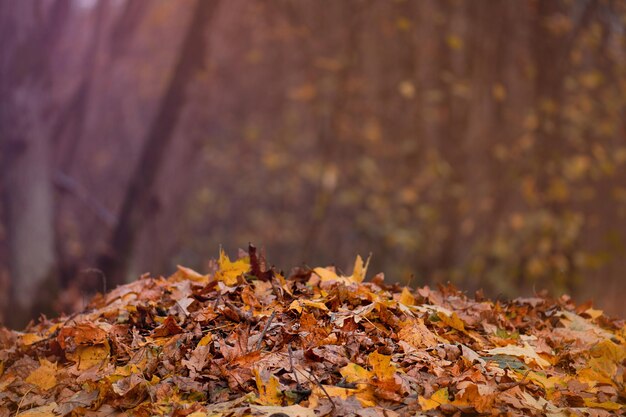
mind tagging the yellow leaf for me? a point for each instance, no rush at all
(598, 370)
(360, 269)
(205, 340)
(269, 392)
(295, 305)
(44, 376)
(340, 392)
(358, 275)
(88, 356)
(52, 329)
(406, 297)
(438, 398)
(30, 338)
(127, 370)
(230, 271)
(298, 304)
(365, 397)
(327, 274)
(453, 321)
(606, 405)
(609, 350)
(354, 373)
(381, 366)
(547, 383)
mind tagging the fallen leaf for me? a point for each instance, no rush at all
(416, 334)
(230, 271)
(605, 405)
(406, 297)
(81, 334)
(297, 305)
(30, 338)
(354, 373)
(358, 275)
(439, 398)
(381, 366)
(269, 391)
(526, 352)
(290, 411)
(190, 274)
(44, 376)
(358, 314)
(206, 339)
(364, 396)
(88, 356)
(43, 411)
(169, 327)
(360, 269)
(452, 320)
(82, 399)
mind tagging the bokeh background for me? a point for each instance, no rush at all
(480, 142)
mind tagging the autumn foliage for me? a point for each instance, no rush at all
(246, 340)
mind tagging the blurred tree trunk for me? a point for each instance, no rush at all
(551, 54)
(139, 199)
(28, 32)
(453, 61)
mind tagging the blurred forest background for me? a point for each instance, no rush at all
(478, 142)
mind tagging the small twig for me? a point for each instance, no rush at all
(17, 412)
(320, 385)
(267, 326)
(217, 302)
(226, 372)
(295, 375)
(243, 315)
(208, 330)
(387, 334)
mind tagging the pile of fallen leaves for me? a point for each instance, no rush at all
(244, 340)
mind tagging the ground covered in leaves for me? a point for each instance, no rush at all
(244, 340)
